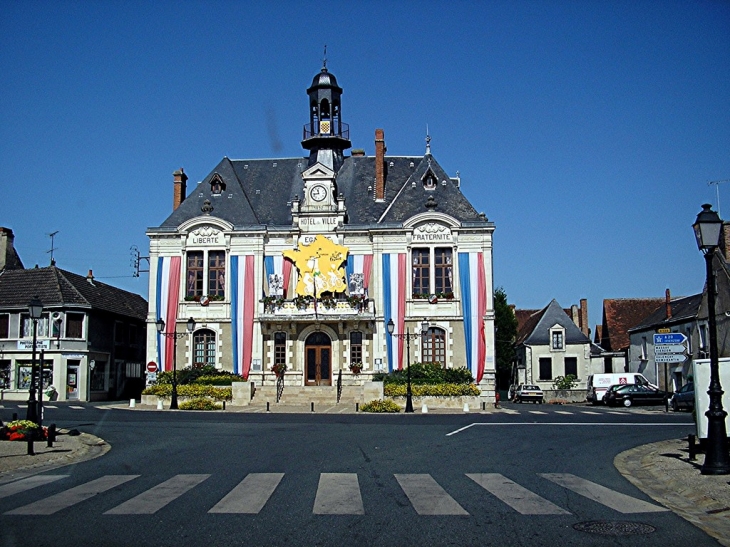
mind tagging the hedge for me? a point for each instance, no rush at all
(192, 391)
(380, 405)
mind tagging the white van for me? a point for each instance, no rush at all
(599, 383)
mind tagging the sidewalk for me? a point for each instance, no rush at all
(15, 463)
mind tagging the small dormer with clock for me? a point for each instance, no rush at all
(321, 210)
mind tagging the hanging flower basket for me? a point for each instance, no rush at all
(279, 370)
(356, 368)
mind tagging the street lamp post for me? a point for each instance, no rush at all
(35, 309)
(707, 229)
(407, 336)
(174, 335)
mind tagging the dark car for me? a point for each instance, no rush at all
(684, 397)
(632, 394)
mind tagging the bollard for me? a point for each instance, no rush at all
(466, 407)
(15, 416)
(692, 447)
(51, 435)
(484, 405)
(267, 406)
(160, 405)
(424, 409)
(312, 407)
(132, 403)
(31, 452)
(357, 407)
(224, 405)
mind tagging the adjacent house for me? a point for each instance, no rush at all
(619, 315)
(550, 344)
(676, 315)
(90, 338)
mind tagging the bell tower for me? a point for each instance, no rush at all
(326, 136)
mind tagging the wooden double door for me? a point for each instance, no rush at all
(318, 355)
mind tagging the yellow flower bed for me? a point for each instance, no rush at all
(432, 390)
(191, 390)
(379, 405)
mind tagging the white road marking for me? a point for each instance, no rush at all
(600, 494)
(585, 424)
(154, 499)
(563, 412)
(28, 483)
(338, 494)
(537, 412)
(520, 499)
(427, 497)
(250, 495)
(77, 407)
(77, 494)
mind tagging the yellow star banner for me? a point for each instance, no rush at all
(320, 266)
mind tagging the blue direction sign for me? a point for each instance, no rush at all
(670, 338)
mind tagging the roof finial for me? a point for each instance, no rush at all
(428, 141)
(324, 60)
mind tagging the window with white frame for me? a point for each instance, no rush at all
(557, 339)
(355, 347)
(280, 348)
(205, 274)
(204, 347)
(432, 271)
(434, 346)
(43, 329)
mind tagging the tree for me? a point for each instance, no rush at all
(505, 326)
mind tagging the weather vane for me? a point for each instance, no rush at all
(324, 60)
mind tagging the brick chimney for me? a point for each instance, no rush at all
(585, 329)
(668, 303)
(380, 150)
(9, 259)
(180, 180)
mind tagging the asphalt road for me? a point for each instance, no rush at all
(529, 475)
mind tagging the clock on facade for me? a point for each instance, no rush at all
(318, 193)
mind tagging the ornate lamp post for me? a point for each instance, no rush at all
(707, 229)
(407, 336)
(35, 309)
(174, 335)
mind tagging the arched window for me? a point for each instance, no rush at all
(204, 348)
(324, 109)
(434, 346)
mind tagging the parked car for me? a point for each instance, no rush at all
(684, 397)
(526, 392)
(631, 394)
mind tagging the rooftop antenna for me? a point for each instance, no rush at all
(324, 59)
(53, 262)
(717, 184)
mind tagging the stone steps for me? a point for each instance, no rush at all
(300, 395)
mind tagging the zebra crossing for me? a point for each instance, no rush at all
(337, 494)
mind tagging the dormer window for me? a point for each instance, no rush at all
(557, 339)
(217, 186)
(429, 180)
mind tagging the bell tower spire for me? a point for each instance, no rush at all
(326, 136)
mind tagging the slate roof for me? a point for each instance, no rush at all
(621, 314)
(259, 192)
(683, 309)
(536, 330)
(59, 288)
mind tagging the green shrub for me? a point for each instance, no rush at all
(218, 380)
(427, 373)
(433, 390)
(380, 405)
(194, 375)
(199, 404)
(192, 391)
(565, 382)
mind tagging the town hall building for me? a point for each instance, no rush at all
(297, 265)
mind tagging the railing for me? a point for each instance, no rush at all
(344, 133)
(339, 385)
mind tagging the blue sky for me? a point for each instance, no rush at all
(587, 131)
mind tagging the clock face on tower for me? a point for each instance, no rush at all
(318, 193)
